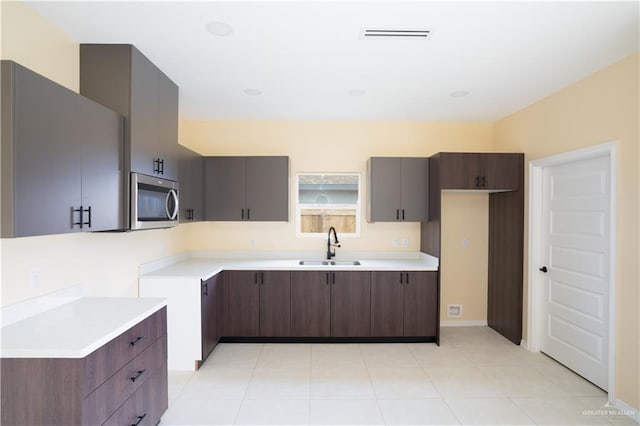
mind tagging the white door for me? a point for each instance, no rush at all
(575, 244)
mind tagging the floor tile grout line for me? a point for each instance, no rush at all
(246, 389)
(451, 410)
(373, 388)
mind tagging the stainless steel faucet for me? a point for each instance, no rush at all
(331, 254)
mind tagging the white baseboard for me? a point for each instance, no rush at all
(464, 323)
(627, 410)
(523, 344)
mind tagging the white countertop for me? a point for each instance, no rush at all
(75, 329)
(205, 265)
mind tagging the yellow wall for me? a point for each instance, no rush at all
(34, 42)
(317, 146)
(465, 216)
(107, 264)
(601, 108)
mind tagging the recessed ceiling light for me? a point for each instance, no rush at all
(356, 92)
(219, 28)
(252, 92)
(459, 94)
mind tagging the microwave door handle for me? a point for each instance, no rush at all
(172, 215)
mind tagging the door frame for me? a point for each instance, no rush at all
(535, 320)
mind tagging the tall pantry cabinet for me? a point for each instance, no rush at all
(502, 176)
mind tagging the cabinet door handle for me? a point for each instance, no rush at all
(139, 420)
(397, 214)
(161, 164)
(327, 278)
(402, 214)
(89, 213)
(242, 214)
(477, 181)
(248, 214)
(333, 278)
(135, 342)
(407, 280)
(205, 289)
(484, 183)
(80, 222)
(400, 277)
(262, 278)
(255, 278)
(137, 376)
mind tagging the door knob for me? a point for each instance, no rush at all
(544, 269)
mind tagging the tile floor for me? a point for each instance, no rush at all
(475, 377)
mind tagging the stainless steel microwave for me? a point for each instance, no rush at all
(154, 202)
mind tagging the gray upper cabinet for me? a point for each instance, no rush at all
(398, 189)
(61, 158)
(190, 185)
(268, 188)
(122, 78)
(100, 139)
(246, 188)
(168, 125)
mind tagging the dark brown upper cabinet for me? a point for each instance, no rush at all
(190, 185)
(120, 77)
(479, 171)
(246, 188)
(398, 189)
(61, 158)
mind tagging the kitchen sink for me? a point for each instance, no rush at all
(314, 262)
(329, 263)
(345, 262)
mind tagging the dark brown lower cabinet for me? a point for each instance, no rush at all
(275, 303)
(258, 303)
(301, 304)
(387, 304)
(119, 383)
(404, 304)
(350, 304)
(242, 305)
(211, 297)
(310, 303)
(421, 304)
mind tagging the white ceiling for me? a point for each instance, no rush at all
(305, 57)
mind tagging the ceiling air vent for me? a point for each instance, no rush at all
(398, 34)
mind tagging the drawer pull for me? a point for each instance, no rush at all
(139, 420)
(135, 342)
(137, 376)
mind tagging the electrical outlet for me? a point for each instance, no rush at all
(253, 243)
(465, 242)
(34, 277)
(405, 242)
(394, 243)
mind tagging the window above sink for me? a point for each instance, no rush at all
(328, 199)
